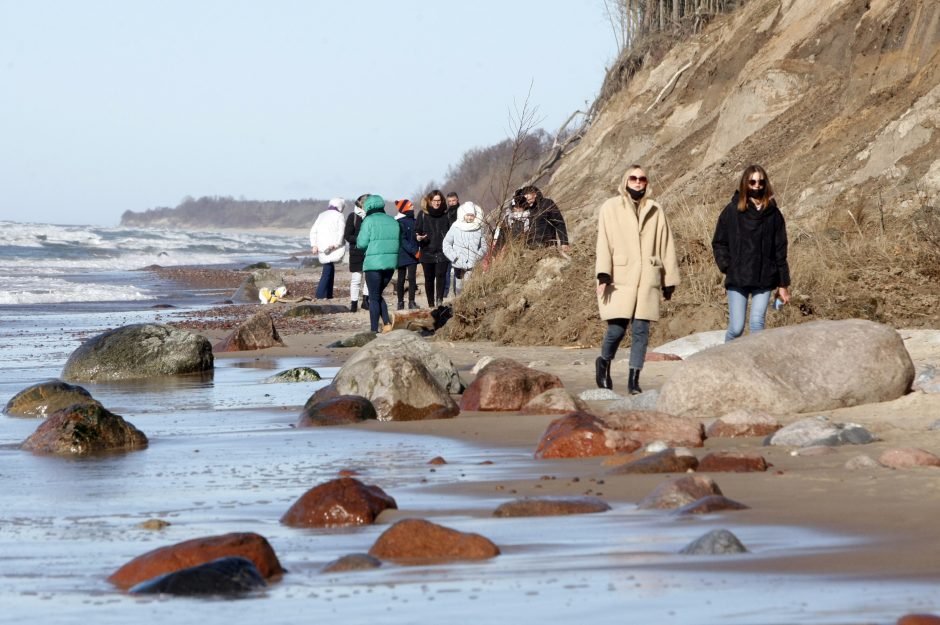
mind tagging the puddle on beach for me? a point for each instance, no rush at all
(224, 456)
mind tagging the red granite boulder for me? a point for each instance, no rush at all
(338, 503)
(580, 435)
(338, 410)
(505, 384)
(84, 429)
(732, 462)
(258, 332)
(416, 541)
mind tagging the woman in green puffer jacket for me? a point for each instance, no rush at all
(380, 237)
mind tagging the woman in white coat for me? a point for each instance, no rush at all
(636, 264)
(327, 242)
(465, 243)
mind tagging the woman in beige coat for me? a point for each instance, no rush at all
(636, 264)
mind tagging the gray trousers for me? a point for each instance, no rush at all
(640, 338)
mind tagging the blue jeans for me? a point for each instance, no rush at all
(325, 287)
(640, 338)
(377, 281)
(737, 308)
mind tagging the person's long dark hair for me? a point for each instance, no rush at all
(742, 187)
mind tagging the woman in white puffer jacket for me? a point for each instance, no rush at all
(328, 243)
(465, 243)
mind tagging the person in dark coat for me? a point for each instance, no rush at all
(433, 224)
(750, 248)
(356, 256)
(453, 203)
(407, 254)
(513, 226)
(547, 223)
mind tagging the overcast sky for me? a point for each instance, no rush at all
(107, 106)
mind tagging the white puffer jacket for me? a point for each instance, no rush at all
(465, 242)
(328, 233)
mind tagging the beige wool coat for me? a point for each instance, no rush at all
(636, 248)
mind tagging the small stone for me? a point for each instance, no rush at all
(551, 506)
(154, 524)
(709, 504)
(352, 562)
(715, 542)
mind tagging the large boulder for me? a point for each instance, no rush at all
(400, 388)
(139, 351)
(341, 502)
(258, 332)
(198, 551)
(84, 429)
(41, 400)
(416, 541)
(505, 384)
(339, 410)
(405, 343)
(821, 365)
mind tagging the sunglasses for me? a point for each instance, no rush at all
(756, 183)
(640, 179)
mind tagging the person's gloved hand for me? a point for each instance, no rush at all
(667, 292)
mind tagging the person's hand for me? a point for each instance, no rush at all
(421, 237)
(784, 294)
(668, 291)
(601, 288)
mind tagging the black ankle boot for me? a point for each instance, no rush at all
(365, 302)
(602, 373)
(413, 305)
(354, 306)
(401, 306)
(633, 383)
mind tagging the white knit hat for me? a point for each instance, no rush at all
(338, 203)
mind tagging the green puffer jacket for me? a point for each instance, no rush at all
(380, 237)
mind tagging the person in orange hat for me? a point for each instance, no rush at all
(407, 254)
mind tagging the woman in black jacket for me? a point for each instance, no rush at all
(750, 247)
(356, 256)
(407, 254)
(433, 224)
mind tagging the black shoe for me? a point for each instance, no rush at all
(602, 370)
(633, 383)
(412, 305)
(365, 302)
(353, 306)
(401, 306)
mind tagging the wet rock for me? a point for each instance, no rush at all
(818, 430)
(551, 506)
(661, 357)
(416, 541)
(400, 388)
(336, 410)
(732, 462)
(580, 435)
(41, 400)
(314, 310)
(718, 542)
(820, 365)
(919, 619)
(356, 340)
(437, 460)
(505, 384)
(84, 429)
(679, 492)
(198, 551)
(139, 351)
(342, 502)
(647, 400)
(646, 427)
(297, 374)
(710, 504)
(554, 401)
(860, 462)
(667, 461)
(741, 423)
(256, 333)
(405, 343)
(599, 394)
(352, 562)
(224, 576)
(908, 458)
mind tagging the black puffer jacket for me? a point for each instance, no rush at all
(750, 247)
(356, 255)
(435, 224)
(548, 225)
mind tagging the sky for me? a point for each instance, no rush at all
(111, 105)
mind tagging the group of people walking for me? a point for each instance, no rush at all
(636, 262)
(637, 266)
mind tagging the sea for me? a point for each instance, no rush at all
(224, 456)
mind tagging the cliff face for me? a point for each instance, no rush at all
(837, 99)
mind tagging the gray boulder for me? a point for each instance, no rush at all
(252, 285)
(356, 340)
(400, 388)
(819, 431)
(411, 344)
(297, 374)
(139, 351)
(718, 542)
(813, 366)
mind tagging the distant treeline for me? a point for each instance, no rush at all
(227, 212)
